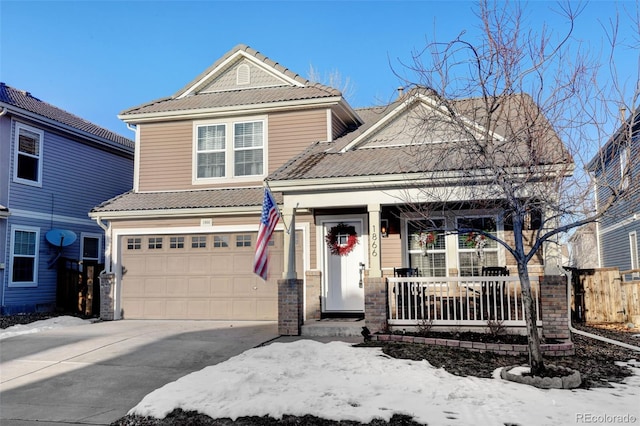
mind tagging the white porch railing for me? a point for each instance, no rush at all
(459, 301)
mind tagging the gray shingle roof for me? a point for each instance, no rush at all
(24, 100)
(326, 159)
(211, 198)
(229, 99)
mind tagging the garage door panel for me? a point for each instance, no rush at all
(198, 287)
(133, 308)
(222, 263)
(265, 309)
(155, 264)
(135, 265)
(176, 309)
(155, 287)
(176, 265)
(154, 309)
(199, 264)
(177, 286)
(133, 287)
(203, 282)
(198, 309)
(222, 286)
(244, 309)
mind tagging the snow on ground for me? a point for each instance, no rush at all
(340, 382)
(37, 326)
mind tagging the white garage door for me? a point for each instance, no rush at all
(200, 276)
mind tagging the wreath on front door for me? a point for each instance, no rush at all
(341, 239)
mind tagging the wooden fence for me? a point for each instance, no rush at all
(603, 296)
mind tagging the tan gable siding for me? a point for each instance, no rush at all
(404, 129)
(291, 132)
(227, 81)
(165, 153)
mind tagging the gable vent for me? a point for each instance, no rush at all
(243, 76)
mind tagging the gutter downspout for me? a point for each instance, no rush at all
(107, 244)
(4, 111)
(593, 336)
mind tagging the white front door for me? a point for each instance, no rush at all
(343, 283)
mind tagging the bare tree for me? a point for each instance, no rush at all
(333, 79)
(513, 120)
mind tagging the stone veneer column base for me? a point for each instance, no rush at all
(290, 298)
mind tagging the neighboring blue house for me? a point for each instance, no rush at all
(616, 168)
(54, 167)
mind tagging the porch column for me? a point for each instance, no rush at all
(287, 218)
(375, 269)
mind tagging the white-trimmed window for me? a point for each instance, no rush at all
(633, 250)
(229, 150)
(28, 155)
(91, 246)
(427, 247)
(24, 256)
(625, 168)
(474, 249)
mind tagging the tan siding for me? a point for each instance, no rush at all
(391, 251)
(165, 152)
(291, 132)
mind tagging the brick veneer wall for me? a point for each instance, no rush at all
(312, 294)
(553, 306)
(290, 307)
(375, 303)
(107, 304)
(558, 349)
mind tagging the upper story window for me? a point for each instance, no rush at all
(625, 168)
(28, 155)
(230, 150)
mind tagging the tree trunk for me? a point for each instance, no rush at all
(535, 353)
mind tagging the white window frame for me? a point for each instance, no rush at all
(84, 235)
(633, 251)
(625, 169)
(36, 256)
(409, 252)
(230, 151)
(497, 249)
(17, 153)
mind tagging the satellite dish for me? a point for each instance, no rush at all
(61, 237)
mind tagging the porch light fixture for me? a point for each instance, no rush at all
(384, 228)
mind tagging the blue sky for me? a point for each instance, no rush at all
(95, 58)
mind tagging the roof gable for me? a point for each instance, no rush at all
(223, 74)
(404, 125)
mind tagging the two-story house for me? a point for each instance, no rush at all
(54, 167)
(615, 169)
(182, 241)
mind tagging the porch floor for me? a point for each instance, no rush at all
(335, 327)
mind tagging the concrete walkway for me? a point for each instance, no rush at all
(93, 374)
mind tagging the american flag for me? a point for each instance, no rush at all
(268, 222)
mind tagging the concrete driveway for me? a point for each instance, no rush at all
(93, 374)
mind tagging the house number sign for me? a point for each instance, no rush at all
(374, 243)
